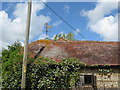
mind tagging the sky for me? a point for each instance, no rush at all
(97, 21)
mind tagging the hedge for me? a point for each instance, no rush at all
(42, 73)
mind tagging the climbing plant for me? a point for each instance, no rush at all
(49, 74)
(42, 73)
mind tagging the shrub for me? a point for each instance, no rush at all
(42, 73)
(49, 74)
(11, 66)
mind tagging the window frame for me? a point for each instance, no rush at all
(90, 81)
(81, 81)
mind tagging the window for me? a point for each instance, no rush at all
(88, 79)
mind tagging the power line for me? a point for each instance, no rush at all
(63, 19)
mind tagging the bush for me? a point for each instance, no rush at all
(42, 73)
(11, 66)
(49, 74)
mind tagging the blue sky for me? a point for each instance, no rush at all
(95, 20)
(72, 16)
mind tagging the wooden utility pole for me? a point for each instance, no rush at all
(23, 82)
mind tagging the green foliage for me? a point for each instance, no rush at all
(105, 70)
(11, 66)
(49, 74)
(42, 73)
(56, 37)
(69, 36)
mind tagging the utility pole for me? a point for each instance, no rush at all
(23, 81)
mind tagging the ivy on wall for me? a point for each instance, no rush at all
(42, 73)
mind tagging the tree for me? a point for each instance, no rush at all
(69, 36)
(64, 36)
(56, 37)
(11, 66)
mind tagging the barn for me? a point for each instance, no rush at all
(102, 70)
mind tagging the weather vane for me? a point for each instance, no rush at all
(47, 27)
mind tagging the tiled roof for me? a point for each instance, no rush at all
(89, 52)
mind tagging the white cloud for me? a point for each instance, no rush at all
(49, 13)
(77, 31)
(52, 38)
(101, 9)
(106, 26)
(57, 23)
(108, 1)
(67, 8)
(62, 32)
(13, 30)
(42, 36)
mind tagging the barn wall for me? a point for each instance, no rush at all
(108, 81)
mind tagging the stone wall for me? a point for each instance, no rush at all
(104, 80)
(109, 80)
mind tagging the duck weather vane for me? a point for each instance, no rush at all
(47, 28)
